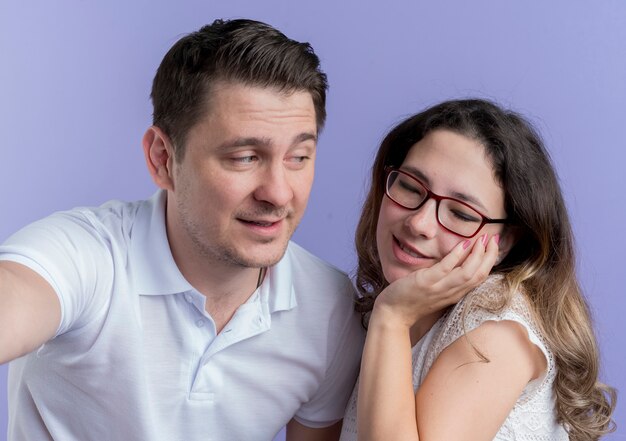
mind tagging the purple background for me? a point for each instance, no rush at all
(75, 78)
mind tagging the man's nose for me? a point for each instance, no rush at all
(274, 186)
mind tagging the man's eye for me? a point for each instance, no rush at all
(300, 158)
(245, 159)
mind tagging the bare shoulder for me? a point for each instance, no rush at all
(475, 381)
(506, 342)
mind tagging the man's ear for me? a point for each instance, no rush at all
(159, 154)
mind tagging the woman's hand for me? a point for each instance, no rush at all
(432, 289)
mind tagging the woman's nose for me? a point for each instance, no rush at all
(423, 221)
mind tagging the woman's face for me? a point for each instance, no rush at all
(450, 165)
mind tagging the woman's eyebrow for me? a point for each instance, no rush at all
(455, 194)
(468, 198)
(417, 173)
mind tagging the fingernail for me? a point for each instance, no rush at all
(466, 244)
(497, 238)
(484, 239)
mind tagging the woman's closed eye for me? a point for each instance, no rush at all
(464, 216)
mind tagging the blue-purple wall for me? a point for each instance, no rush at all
(75, 77)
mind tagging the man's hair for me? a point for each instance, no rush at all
(239, 51)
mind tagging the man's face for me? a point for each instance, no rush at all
(244, 181)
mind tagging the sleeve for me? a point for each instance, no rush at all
(328, 405)
(72, 256)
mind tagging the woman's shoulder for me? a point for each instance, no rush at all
(495, 299)
(492, 301)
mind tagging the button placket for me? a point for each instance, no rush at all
(208, 384)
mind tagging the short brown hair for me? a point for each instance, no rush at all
(242, 51)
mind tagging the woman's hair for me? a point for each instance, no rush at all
(541, 262)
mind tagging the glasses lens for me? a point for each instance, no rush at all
(405, 190)
(458, 217)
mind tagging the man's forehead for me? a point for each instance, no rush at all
(244, 106)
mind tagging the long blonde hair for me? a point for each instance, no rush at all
(541, 263)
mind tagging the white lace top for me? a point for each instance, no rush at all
(533, 418)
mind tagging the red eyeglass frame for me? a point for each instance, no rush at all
(431, 195)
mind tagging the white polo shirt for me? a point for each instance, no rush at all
(136, 356)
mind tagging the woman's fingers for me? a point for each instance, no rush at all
(445, 266)
(489, 259)
(444, 283)
(466, 273)
(463, 269)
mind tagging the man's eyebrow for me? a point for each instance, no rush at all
(245, 142)
(456, 194)
(263, 142)
(305, 136)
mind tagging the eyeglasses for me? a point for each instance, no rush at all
(453, 215)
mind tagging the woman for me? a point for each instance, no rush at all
(457, 189)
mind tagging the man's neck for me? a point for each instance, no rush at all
(226, 285)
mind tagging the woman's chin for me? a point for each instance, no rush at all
(395, 272)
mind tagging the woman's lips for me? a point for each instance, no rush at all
(408, 255)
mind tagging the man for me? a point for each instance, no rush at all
(190, 316)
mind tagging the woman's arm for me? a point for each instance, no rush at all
(464, 397)
(386, 404)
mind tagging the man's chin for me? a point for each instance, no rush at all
(261, 256)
